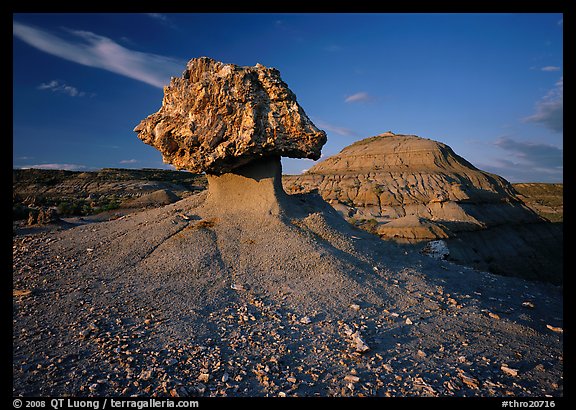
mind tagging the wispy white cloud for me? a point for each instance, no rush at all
(346, 132)
(93, 50)
(128, 161)
(65, 167)
(56, 86)
(158, 16)
(551, 68)
(163, 19)
(550, 109)
(359, 97)
(561, 22)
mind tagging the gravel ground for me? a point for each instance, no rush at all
(182, 301)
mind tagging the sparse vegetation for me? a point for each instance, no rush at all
(547, 200)
(72, 193)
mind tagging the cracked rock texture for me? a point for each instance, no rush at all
(218, 117)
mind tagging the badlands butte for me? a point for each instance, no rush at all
(257, 286)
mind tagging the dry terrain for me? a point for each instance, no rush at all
(182, 300)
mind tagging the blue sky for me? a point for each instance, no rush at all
(488, 85)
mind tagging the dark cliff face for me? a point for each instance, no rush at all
(412, 190)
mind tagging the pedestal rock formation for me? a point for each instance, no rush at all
(218, 117)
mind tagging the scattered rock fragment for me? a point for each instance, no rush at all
(426, 389)
(22, 292)
(509, 371)
(437, 249)
(356, 339)
(467, 379)
(387, 367)
(351, 378)
(555, 329)
(85, 333)
(359, 343)
(528, 304)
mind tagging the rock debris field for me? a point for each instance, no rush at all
(184, 301)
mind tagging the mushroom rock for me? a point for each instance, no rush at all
(219, 117)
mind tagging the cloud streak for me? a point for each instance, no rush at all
(346, 132)
(65, 167)
(359, 97)
(551, 68)
(550, 109)
(92, 50)
(56, 86)
(162, 19)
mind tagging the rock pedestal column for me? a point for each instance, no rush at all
(253, 188)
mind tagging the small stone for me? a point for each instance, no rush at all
(146, 374)
(305, 320)
(355, 307)
(359, 344)
(171, 362)
(351, 378)
(493, 315)
(204, 377)
(527, 304)
(93, 387)
(420, 353)
(237, 286)
(225, 377)
(84, 333)
(281, 394)
(509, 371)
(291, 379)
(387, 367)
(468, 380)
(24, 292)
(555, 329)
(408, 321)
